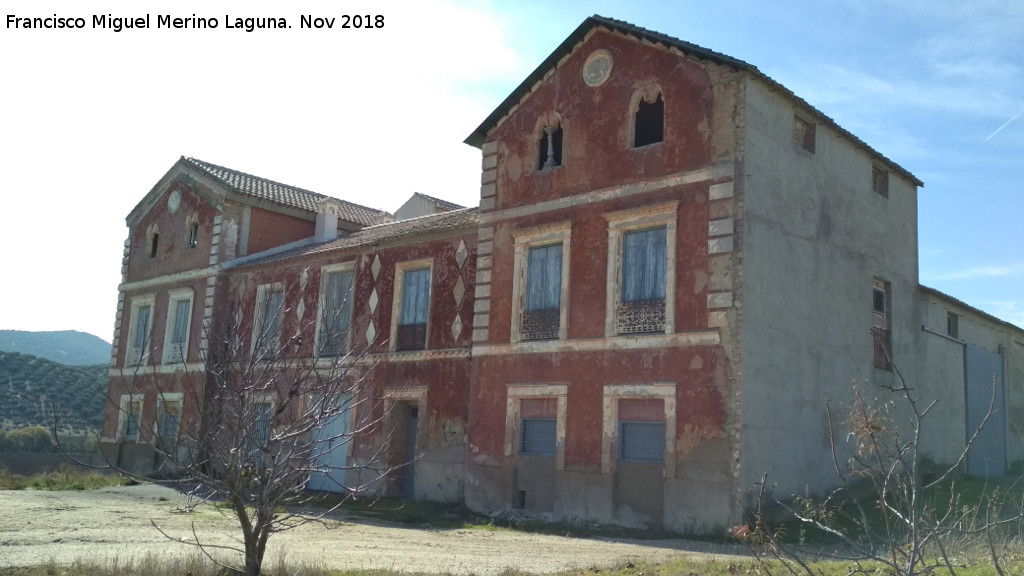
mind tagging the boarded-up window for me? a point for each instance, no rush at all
(412, 326)
(337, 313)
(804, 133)
(542, 312)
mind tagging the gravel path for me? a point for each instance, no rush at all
(101, 525)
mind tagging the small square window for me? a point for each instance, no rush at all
(953, 325)
(803, 133)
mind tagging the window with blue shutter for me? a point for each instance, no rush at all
(642, 441)
(542, 309)
(644, 259)
(537, 436)
(412, 324)
(337, 313)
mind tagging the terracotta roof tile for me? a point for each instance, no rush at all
(285, 194)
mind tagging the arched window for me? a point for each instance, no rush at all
(152, 241)
(549, 142)
(191, 231)
(648, 116)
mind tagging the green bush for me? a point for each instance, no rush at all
(31, 439)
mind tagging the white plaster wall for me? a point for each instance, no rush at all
(815, 234)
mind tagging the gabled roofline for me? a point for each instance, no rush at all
(479, 136)
(181, 167)
(994, 319)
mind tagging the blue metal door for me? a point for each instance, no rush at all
(983, 378)
(331, 452)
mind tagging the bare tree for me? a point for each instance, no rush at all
(886, 511)
(273, 407)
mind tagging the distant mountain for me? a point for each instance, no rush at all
(31, 386)
(66, 346)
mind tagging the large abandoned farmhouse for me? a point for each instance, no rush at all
(675, 261)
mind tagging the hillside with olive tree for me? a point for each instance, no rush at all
(30, 387)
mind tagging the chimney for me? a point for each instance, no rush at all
(327, 220)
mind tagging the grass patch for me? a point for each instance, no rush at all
(65, 478)
(438, 515)
(686, 566)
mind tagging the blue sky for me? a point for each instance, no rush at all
(94, 118)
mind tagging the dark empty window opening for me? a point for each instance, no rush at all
(193, 235)
(154, 240)
(649, 124)
(880, 181)
(879, 301)
(550, 148)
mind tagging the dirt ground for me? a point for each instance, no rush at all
(101, 525)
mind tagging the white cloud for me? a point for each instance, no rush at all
(975, 272)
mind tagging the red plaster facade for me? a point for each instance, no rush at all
(619, 408)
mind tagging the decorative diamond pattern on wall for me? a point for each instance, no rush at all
(459, 291)
(300, 309)
(457, 327)
(373, 301)
(375, 267)
(371, 332)
(461, 253)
